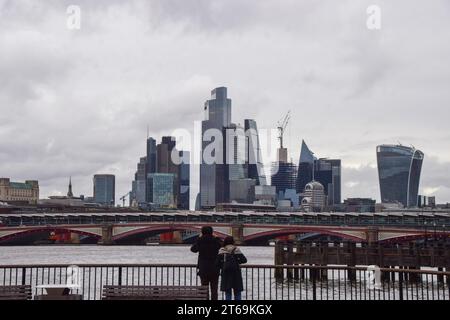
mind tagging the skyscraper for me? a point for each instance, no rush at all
(141, 181)
(283, 177)
(255, 169)
(323, 170)
(105, 189)
(399, 169)
(165, 163)
(162, 189)
(184, 181)
(283, 173)
(328, 173)
(305, 168)
(214, 173)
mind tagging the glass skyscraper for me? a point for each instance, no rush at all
(184, 181)
(255, 168)
(283, 177)
(399, 169)
(214, 177)
(162, 189)
(105, 189)
(325, 171)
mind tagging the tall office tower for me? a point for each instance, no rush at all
(399, 169)
(184, 181)
(105, 189)
(255, 167)
(305, 168)
(141, 181)
(214, 180)
(325, 171)
(165, 163)
(235, 142)
(328, 173)
(284, 175)
(162, 185)
(151, 165)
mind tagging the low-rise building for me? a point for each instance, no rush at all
(313, 198)
(11, 192)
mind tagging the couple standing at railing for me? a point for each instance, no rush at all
(219, 259)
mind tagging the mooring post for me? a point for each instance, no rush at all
(290, 260)
(279, 255)
(351, 273)
(323, 273)
(296, 256)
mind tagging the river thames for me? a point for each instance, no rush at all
(87, 254)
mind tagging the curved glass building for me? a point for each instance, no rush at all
(399, 170)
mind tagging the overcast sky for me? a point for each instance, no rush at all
(78, 102)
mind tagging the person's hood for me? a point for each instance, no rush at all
(229, 249)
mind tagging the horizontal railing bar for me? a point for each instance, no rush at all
(248, 266)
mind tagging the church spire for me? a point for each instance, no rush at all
(70, 193)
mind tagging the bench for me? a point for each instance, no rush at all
(21, 292)
(113, 292)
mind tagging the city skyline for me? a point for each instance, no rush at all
(375, 87)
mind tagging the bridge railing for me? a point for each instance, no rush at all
(261, 282)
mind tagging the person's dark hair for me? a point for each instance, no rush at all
(228, 240)
(207, 231)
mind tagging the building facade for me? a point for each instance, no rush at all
(105, 189)
(214, 171)
(326, 171)
(184, 179)
(19, 191)
(254, 162)
(313, 198)
(162, 189)
(399, 169)
(283, 178)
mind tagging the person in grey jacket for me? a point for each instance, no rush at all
(229, 259)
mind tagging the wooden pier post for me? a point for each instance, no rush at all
(290, 260)
(279, 255)
(351, 247)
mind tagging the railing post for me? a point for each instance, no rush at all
(120, 276)
(400, 285)
(313, 275)
(24, 275)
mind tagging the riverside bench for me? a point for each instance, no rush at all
(114, 292)
(20, 292)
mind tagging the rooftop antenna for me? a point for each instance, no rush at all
(148, 131)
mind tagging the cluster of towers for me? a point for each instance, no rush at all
(231, 170)
(162, 178)
(313, 184)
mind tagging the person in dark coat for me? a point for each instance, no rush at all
(229, 259)
(208, 247)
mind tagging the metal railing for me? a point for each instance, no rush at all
(261, 282)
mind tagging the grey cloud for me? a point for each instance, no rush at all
(77, 103)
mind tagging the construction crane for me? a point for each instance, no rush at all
(282, 126)
(124, 197)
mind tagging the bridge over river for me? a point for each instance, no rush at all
(108, 228)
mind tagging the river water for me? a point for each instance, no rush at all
(85, 254)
